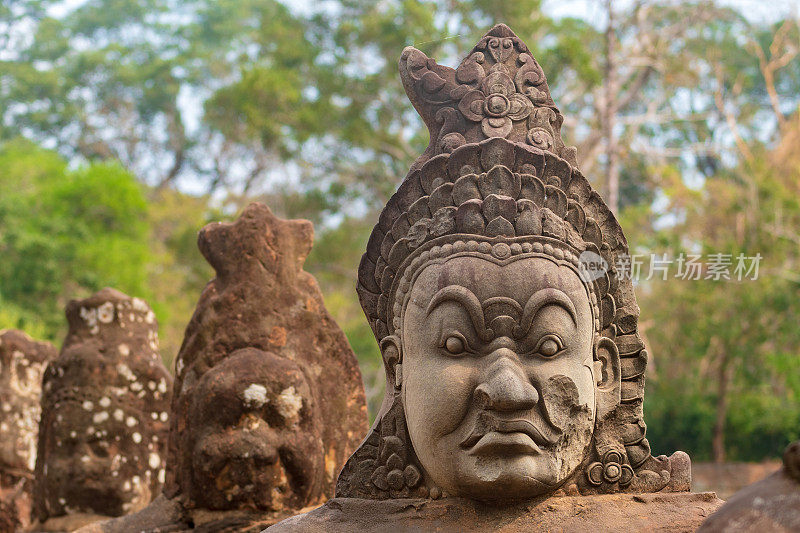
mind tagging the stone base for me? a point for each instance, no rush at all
(66, 524)
(673, 512)
(772, 504)
(169, 515)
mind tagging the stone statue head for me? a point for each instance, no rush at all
(22, 364)
(264, 448)
(105, 405)
(269, 401)
(513, 363)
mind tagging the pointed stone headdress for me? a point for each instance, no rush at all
(497, 179)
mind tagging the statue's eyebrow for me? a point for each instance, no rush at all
(468, 300)
(543, 298)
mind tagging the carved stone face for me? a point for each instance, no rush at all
(98, 458)
(22, 364)
(499, 384)
(256, 442)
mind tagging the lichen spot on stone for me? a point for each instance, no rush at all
(289, 403)
(126, 372)
(105, 313)
(154, 461)
(140, 305)
(137, 437)
(124, 350)
(255, 396)
(90, 317)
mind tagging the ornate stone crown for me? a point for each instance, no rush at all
(496, 180)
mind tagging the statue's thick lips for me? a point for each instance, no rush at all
(516, 442)
(509, 436)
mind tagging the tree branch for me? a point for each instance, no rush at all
(729, 118)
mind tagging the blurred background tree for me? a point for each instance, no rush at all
(144, 119)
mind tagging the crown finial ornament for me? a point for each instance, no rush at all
(498, 90)
(514, 371)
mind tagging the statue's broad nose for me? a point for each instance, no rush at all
(506, 387)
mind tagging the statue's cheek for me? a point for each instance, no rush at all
(438, 394)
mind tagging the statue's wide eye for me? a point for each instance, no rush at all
(454, 344)
(549, 346)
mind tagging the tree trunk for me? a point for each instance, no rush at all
(723, 378)
(610, 114)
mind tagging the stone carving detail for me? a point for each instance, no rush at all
(385, 463)
(105, 402)
(513, 368)
(499, 90)
(22, 364)
(610, 470)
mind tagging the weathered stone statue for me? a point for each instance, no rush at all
(105, 415)
(269, 401)
(514, 368)
(22, 364)
(770, 505)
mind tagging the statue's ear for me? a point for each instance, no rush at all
(392, 352)
(608, 375)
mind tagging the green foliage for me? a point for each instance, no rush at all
(67, 232)
(702, 325)
(177, 272)
(334, 262)
(742, 333)
(14, 317)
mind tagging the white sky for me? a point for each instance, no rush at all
(757, 10)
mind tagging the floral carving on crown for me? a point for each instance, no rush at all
(499, 90)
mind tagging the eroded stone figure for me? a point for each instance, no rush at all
(515, 371)
(269, 401)
(22, 364)
(105, 415)
(770, 505)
